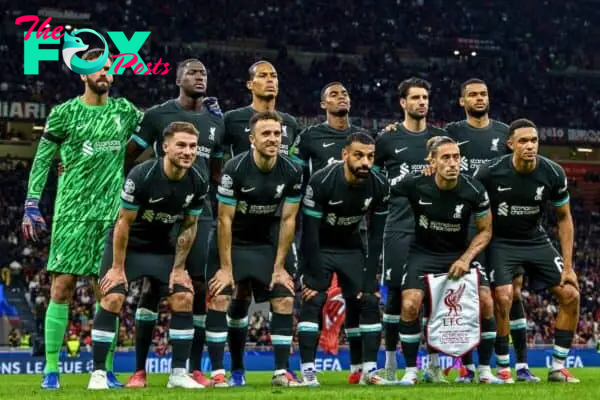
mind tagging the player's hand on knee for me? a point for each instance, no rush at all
(33, 222)
(568, 276)
(179, 276)
(222, 279)
(458, 269)
(113, 278)
(308, 293)
(282, 277)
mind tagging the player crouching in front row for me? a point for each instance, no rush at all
(155, 196)
(443, 204)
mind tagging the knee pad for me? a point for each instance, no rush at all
(393, 303)
(311, 309)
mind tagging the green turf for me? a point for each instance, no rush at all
(333, 386)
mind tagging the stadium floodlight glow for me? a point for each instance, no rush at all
(48, 26)
(456, 52)
(473, 53)
(584, 150)
(68, 27)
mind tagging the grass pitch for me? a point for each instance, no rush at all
(333, 386)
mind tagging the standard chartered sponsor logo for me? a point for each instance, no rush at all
(246, 208)
(333, 219)
(425, 223)
(90, 148)
(504, 209)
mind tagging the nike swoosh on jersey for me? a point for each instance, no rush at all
(423, 203)
(246, 129)
(246, 190)
(328, 144)
(503, 189)
(151, 200)
(333, 203)
(400, 150)
(461, 143)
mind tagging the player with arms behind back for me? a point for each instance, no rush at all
(263, 84)
(481, 139)
(156, 194)
(335, 202)
(400, 150)
(255, 185)
(442, 205)
(191, 106)
(520, 185)
(90, 132)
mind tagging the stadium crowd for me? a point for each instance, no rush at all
(525, 63)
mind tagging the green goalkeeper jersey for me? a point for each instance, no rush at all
(92, 142)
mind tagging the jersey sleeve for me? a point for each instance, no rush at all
(132, 195)
(226, 192)
(55, 132)
(405, 187)
(135, 117)
(482, 174)
(293, 191)
(380, 152)
(226, 140)
(559, 193)
(299, 151)
(380, 205)
(146, 132)
(294, 128)
(217, 151)
(313, 202)
(481, 200)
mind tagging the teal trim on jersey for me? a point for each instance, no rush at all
(562, 202)
(194, 212)
(129, 206)
(382, 212)
(482, 213)
(312, 213)
(140, 141)
(293, 199)
(226, 200)
(376, 168)
(297, 160)
(217, 155)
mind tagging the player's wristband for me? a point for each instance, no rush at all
(32, 203)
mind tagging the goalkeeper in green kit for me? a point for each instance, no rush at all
(91, 133)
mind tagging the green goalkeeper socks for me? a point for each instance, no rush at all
(110, 357)
(55, 325)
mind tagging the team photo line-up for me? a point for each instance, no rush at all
(457, 210)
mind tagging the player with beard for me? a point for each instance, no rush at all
(156, 194)
(520, 186)
(263, 84)
(481, 139)
(401, 149)
(317, 147)
(259, 188)
(90, 132)
(442, 205)
(194, 107)
(336, 200)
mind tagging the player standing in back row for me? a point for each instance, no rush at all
(191, 106)
(263, 83)
(90, 132)
(481, 139)
(317, 147)
(400, 150)
(520, 186)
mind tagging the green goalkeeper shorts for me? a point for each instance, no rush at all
(76, 247)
